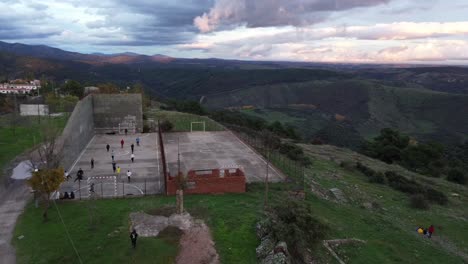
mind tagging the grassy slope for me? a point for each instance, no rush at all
(231, 218)
(26, 134)
(182, 121)
(390, 230)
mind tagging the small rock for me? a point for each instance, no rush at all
(21, 237)
(281, 247)
(367, 205)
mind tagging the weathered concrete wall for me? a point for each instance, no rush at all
(34, 109)
(110, 110)
(78, 132)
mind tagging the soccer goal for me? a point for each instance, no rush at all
(197, 124)
(102, 186)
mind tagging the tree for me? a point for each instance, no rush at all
(72, 87)
(47, 175)
(166, 126)
(457, 176)
(45, 182)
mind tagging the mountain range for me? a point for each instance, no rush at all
(341, 103)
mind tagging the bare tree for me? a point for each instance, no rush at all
(45, 163)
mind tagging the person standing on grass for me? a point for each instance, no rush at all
(92, 163)
(107, 147)
(133, 238)
(138, 141)
(132, 147)
(430, 230)
(121, 143)
(129, 175)
(132, 157)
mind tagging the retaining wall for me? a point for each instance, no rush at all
(78, 132)
(110, 110)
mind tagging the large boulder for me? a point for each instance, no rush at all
(278, 258)
(182, 221)
(148, 225)
(262, 228)
(265, 248)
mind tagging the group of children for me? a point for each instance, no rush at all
(116, 168)
(426, 231)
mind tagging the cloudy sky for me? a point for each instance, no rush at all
(360, 31)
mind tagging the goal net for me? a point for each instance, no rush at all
(197, 126)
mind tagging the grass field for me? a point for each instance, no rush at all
(26, 133)
(231, 218)
(388, 228)
(182, 121)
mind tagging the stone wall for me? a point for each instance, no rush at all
(78, 132)
(112, 110)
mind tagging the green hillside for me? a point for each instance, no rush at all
(383, 216)
(360, 108)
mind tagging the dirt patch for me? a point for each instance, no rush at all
(197, 246)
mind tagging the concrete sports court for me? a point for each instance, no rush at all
(146, 172)
(213, 150)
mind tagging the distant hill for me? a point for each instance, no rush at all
(343, 103)
(347, 109)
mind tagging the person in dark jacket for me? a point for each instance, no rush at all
(132, 147)
(79, 175)
(92, 163)
(133, 238)
(107, 147)
(121, 143)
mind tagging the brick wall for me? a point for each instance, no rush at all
(210, 181)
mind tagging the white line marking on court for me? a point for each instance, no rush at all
(81, 154)
(134, 186)
(123, 153)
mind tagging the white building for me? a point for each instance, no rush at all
(20, 88)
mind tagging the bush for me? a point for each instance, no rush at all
(166, 126)
(457, 176)
(436, 196)
(378, 177)
(146, 128)
(294, 223)
(403, 184)
(418, 201)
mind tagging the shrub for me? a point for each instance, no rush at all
(377, 178)
(418, 201)
(403, 184)
(146, 128)
(294, 223)
(166, 126)
(457, 176)
(436, 196)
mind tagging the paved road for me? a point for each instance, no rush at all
(12, 203)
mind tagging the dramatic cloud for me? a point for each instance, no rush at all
(267, 13)
(305, 30)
